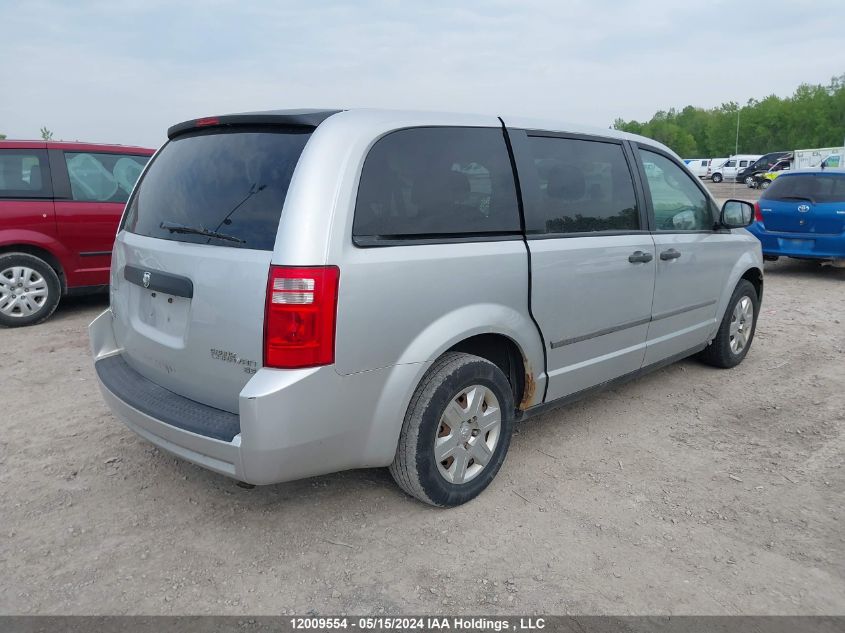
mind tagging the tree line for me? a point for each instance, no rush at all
(46, 134)
(814, 116)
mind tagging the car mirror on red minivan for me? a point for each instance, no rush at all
(736, 214)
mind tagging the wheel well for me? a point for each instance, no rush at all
(47, 256)
(755, 276)
(507, 356)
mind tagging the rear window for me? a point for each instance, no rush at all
(229, 182)
(436, 182)
(813, 187)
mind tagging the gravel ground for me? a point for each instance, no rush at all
(692, 490)
(724, 190)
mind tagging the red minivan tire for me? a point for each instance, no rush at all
(29, 289)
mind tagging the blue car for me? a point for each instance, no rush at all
(802, 215)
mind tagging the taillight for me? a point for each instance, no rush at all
(300, 315)
(209, 120)
(758, 215)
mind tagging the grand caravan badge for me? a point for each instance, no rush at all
(249, 366)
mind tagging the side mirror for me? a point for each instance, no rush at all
(736, 214)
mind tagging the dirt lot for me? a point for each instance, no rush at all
(724, 190)
(692, 490)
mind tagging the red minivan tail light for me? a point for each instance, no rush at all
(758, 215)
(300, 315)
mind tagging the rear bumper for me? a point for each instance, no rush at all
(802, 245)
(291, 424)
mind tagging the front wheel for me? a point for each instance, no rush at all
(748, 180)
(733, 340)
(765, 184)
(456, 431)
(717, 178)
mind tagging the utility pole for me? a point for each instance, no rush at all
(736, 147)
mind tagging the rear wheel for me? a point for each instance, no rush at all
(733, 340)
(29, 289)
(748, 180)
(456, 432)
(765, 184)
(717, 178)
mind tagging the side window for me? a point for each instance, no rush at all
(24, 174)
(429, 182)
(678, 203)
(585, 186)
(96, 177)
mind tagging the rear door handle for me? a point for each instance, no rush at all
(640, 257)
(670, 254)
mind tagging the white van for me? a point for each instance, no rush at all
(732, 167)
(295, 293)
(698, 166)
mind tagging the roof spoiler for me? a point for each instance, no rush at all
(293, 118)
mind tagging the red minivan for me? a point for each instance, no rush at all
(60, 204)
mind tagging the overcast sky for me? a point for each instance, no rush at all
(123, 71)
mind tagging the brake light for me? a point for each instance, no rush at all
(758, 214)
(209, 120)
(299, 316)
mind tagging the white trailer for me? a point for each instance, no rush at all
(813, 158)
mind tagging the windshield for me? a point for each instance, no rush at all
(813, 187)
(221, 187)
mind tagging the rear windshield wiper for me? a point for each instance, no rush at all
(173, 227)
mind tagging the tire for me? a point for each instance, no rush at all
(729, 347)
(765, 184)
(748, 180)
(447, 393)
(16, 270)
(717, 178)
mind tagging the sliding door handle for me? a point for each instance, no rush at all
(640, 257)
(670, 254)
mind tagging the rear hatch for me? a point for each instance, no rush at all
(191, 261)
(805, 203)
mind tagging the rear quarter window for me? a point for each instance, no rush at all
(231, 182)
(436, 182)
(24, 174)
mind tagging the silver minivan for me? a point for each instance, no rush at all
(301, 292)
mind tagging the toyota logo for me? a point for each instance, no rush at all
(146, 280)
(803, 208)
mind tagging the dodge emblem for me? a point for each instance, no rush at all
(146, 280)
